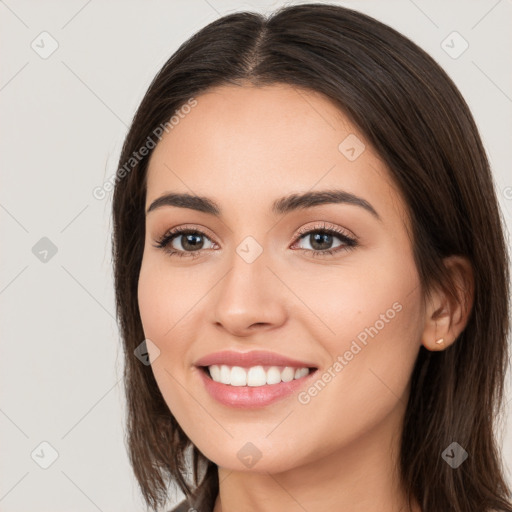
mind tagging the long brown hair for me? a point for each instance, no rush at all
(412, 113)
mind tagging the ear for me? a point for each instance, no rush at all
(447, 316)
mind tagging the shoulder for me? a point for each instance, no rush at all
(183, 506)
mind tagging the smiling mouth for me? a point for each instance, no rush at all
(255, 376)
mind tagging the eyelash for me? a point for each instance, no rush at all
(350, 243)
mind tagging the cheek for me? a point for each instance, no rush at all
(370, 325)
(372, 358)
(163, 303)
(373, 291)
(169, 305)
(151, 302)
(158, 305)
(160, 309)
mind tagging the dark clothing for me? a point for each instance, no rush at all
(183, 506)
(202, 503)
(204, 496)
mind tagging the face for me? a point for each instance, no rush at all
(329, 284)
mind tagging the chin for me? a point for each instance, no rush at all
(252, 457)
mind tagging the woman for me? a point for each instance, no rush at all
(311, 257)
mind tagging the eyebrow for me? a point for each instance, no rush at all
(280, 206)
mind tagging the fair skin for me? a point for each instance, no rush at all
(245, 147)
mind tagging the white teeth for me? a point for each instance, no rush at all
(287, 374)
(255, 375)
(225, 375)
(301, 372)
(215, 372)
(273, 375)
(238, 376)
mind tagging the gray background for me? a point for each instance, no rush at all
(63, 120)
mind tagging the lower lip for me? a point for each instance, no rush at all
(252, 396)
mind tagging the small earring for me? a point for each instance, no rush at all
(439, 341)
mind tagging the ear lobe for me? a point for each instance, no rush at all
(447, 313)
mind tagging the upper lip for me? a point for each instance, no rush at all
(253, 358)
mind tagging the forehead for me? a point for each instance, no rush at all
(268, 123)
(249, 145)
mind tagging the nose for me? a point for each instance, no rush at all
(250, 298)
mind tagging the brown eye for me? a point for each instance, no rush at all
(321, 239)
(188, 242)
